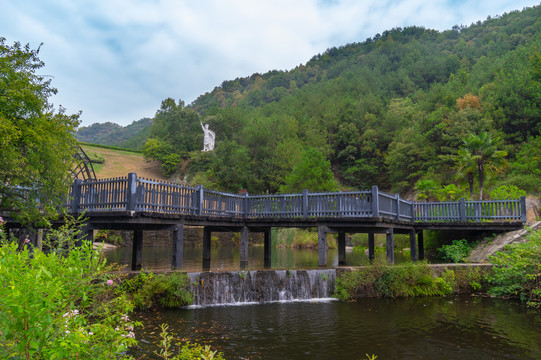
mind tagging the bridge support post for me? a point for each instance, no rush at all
(178, 246)
(322, 245)
(371, 247)
(420, 244)
(206, 247)
(413, 246)
(137, 250)
(267, 248)
(390, 245)
(244, 247)
(341, 248)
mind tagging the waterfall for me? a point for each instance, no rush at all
(258, 286)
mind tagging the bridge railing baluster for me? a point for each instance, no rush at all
(117, 194)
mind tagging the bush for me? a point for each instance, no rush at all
(392, 281)
(59, 305)
(163, 291)
(517, 270)
(507, 192)
(457, 252)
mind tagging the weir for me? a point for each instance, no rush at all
(260, 286)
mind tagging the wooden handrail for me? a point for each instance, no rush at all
(136, 194)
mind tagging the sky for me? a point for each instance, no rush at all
(116, 60)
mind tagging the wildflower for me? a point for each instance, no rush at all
(109, 282)
(125, 318)
(27, 240)
(1, 220)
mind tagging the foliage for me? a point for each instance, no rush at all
(507, 192)
(132, 136)
(59, 305)
(388, 111)
(313, 173)
(95, 158)
(456, 252)
(392, 281)
(482, 151)
(109, 237)
(187, 351)
(36, 142)
(300, 239)
(517, 270)
(111, 147)
(160, 290)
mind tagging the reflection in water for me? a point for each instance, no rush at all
(228, 258)
(422, 328)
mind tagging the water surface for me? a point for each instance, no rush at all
(228, 258)
(422, 328)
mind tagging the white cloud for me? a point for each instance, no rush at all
(116, 60)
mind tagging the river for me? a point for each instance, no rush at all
(421, 328)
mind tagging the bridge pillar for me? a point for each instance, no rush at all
(137, 250)
(413, 246)
(322, 245)
(178, 246)
(206, 247)
(341, 248)
(420, 244)
(244, 247)
(371, 247)
(267, 248)
(390, 245)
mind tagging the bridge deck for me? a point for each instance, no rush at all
(137, 204)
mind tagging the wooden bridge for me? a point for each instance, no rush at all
(140, 204)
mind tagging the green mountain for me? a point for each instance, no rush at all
(391, 111)
(132, 136)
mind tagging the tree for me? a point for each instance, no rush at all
(313, 173)
(466, 168)
(483, 150)
(36, 142)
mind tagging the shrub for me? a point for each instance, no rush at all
(517, 270)
(392, 281)
(457, 252)
(58, 305)
(165, 291)
(507, 192)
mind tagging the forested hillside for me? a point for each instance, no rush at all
(445, 113)
(132, 136)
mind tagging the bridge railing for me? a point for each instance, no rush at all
(275, 206)
(464, 211)
(164, 197)
(146, 195)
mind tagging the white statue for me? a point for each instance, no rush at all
(208, 140)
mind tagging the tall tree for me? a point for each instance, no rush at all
(36, 142)
(483, 150)
(313, 173)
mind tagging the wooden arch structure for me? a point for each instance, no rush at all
(83, 168)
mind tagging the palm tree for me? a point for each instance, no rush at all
(466, 168)
(488, 159)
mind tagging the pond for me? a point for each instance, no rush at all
(421, 328)
(225, 258)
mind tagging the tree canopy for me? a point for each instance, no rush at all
(389, 111)
(36, 142)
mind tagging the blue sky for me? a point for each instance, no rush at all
(116, 60)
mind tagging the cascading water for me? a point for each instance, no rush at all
(232, 287)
